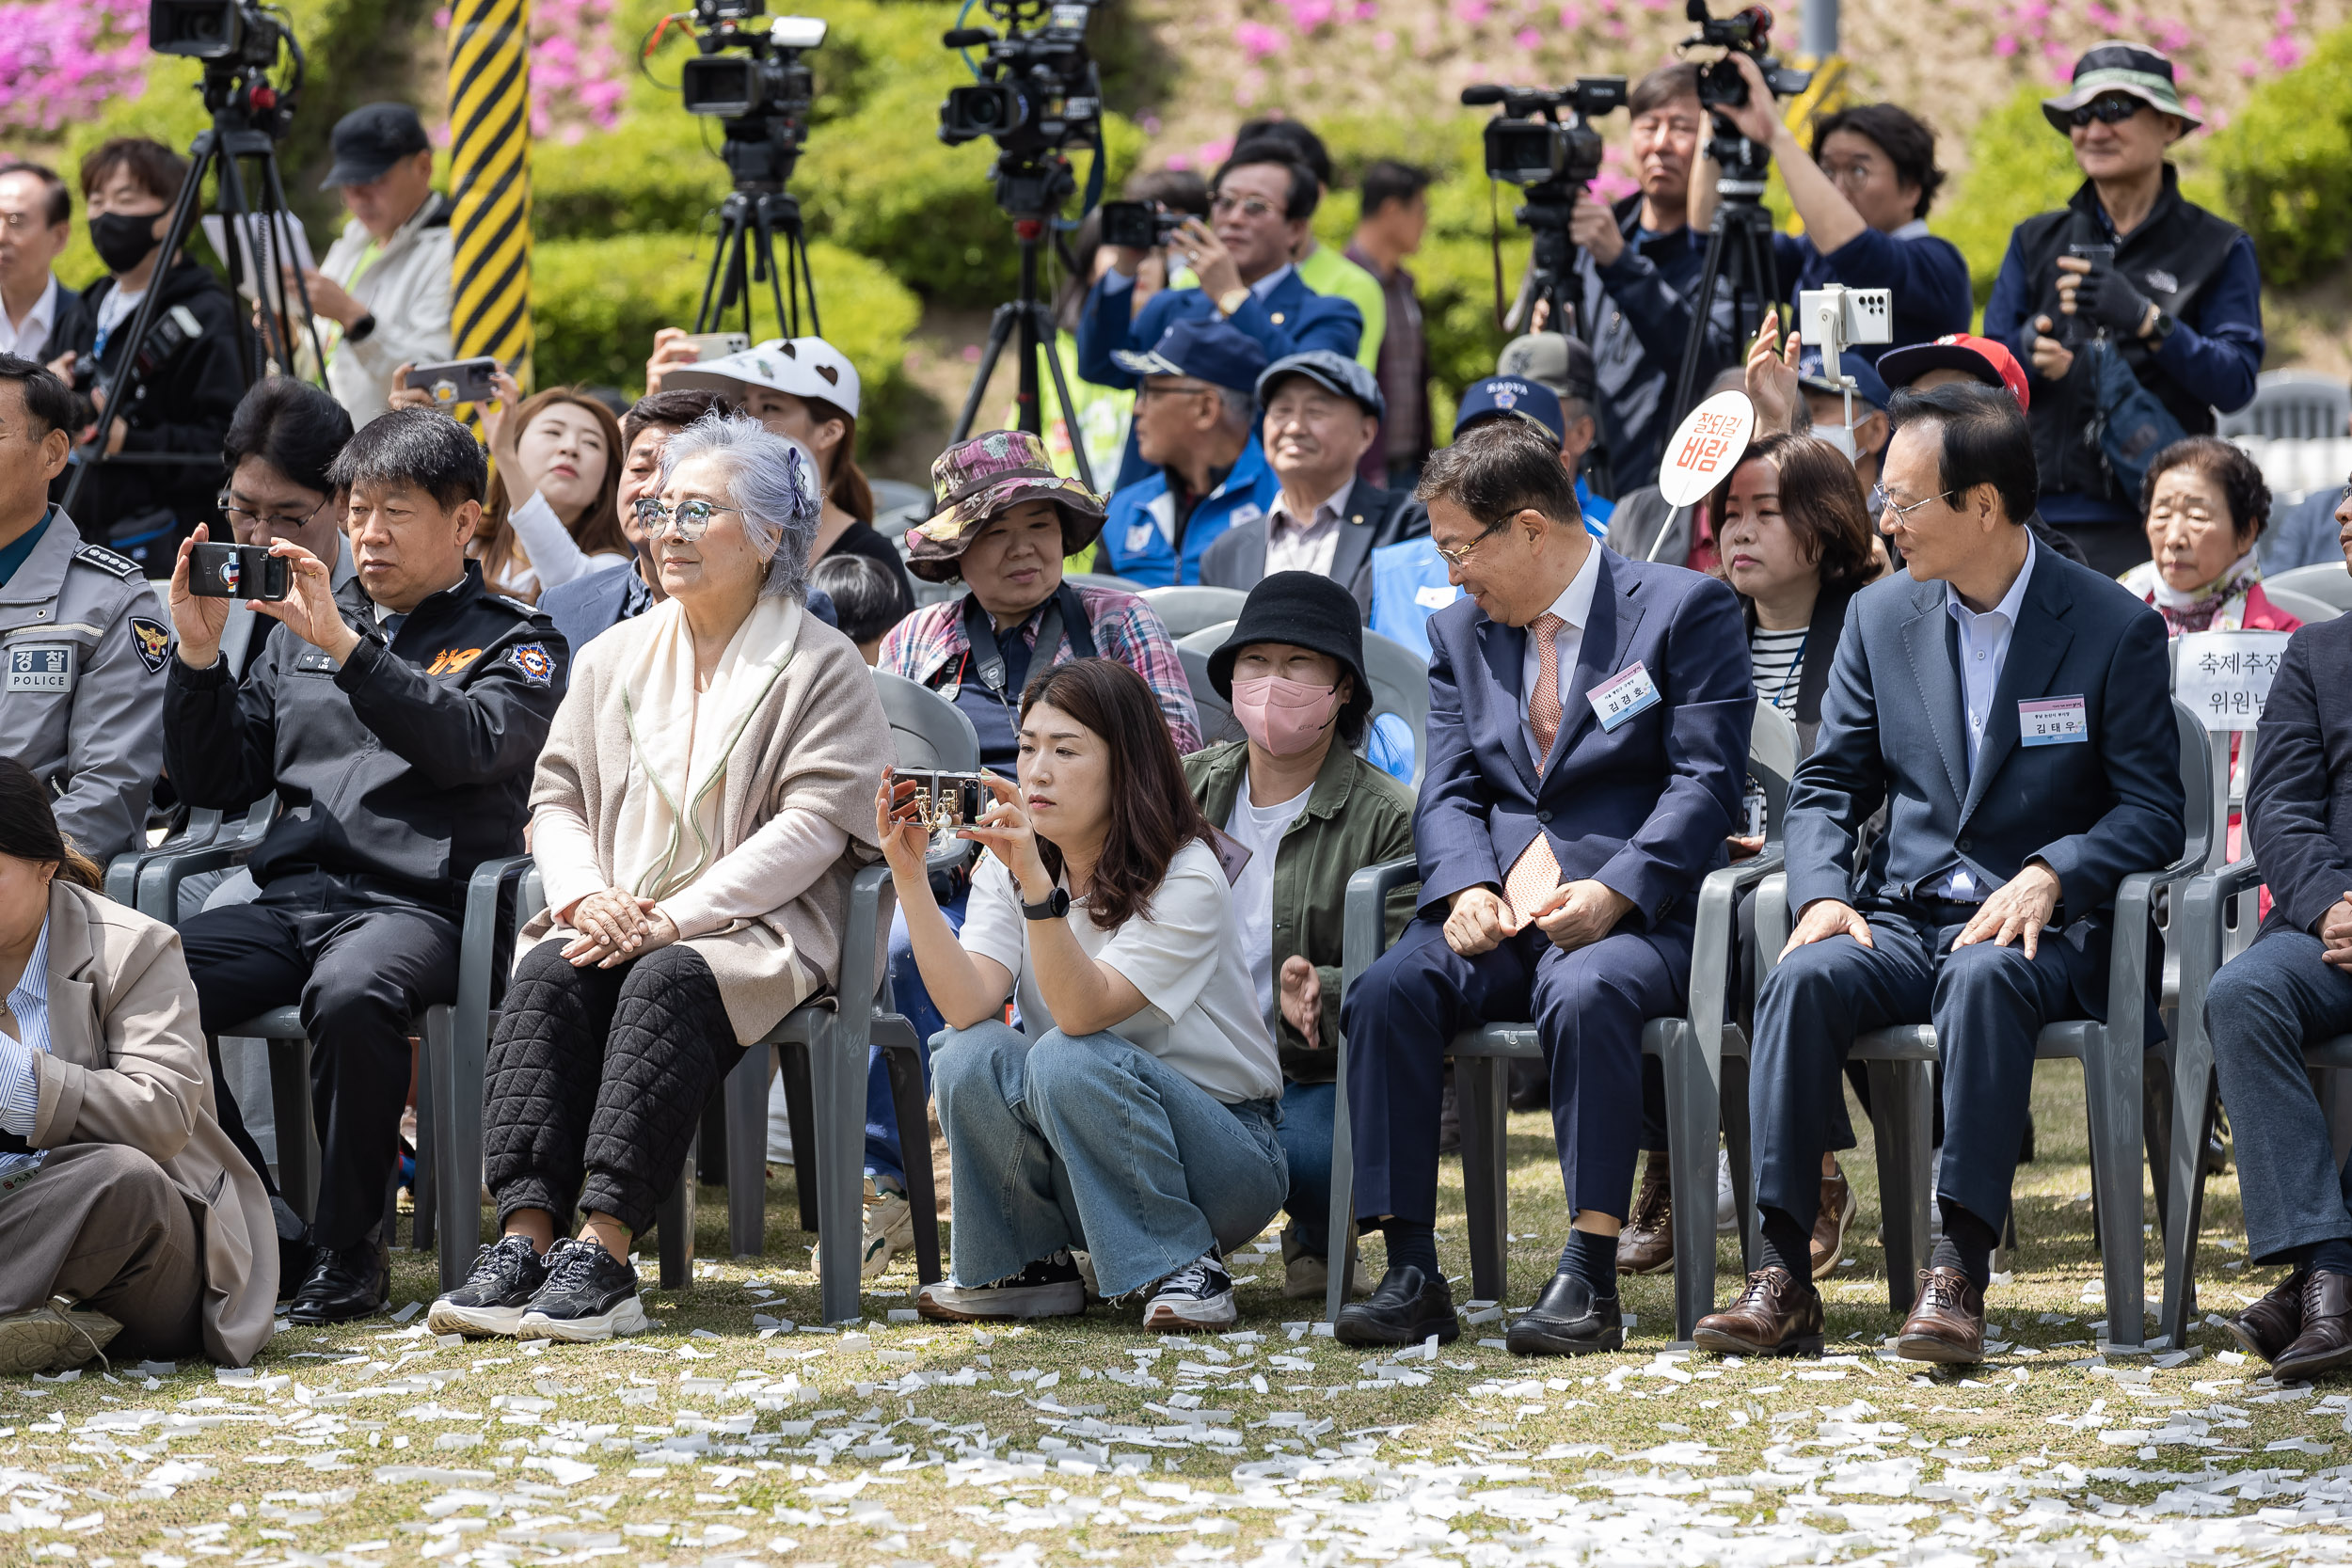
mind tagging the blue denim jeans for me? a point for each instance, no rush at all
(1092, 1144)
(2265, 1006)
(910, 997)
(1306, 1134)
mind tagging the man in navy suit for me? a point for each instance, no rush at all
(2294, 988)
(2012, 711)
(1259, 208)
(1588, 743)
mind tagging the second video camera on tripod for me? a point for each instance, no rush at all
(1528, 145)
(1038, 90)
(1749, 32)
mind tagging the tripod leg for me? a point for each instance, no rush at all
(807, 281)
(1000, 327)
(279, 214)
(1702, 313)
(1069, 410)
(766, 264)
(727, 264)
(234, 210)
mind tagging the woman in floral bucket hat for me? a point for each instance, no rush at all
(1002, 523)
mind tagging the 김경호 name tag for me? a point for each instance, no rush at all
(2053, 721)
(41, 667)
(1622, 695)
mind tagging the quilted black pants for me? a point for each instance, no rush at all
(597, 1081)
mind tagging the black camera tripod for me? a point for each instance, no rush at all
(248, 117)
(1739, 251)
(759, 151)
(1032, 190)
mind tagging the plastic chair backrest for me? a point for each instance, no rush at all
(897, 502)
(1400, 685)
(2328, 581)
(2209, 828)
(930, 731)
(2307, 608)
(1186, 610)
(2293, 405)
(1772, 763)
(1217, 723)
(1104, 579)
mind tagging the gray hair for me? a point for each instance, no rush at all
(771, 481)
(1237, 407)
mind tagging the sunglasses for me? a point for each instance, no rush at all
(2107, 109)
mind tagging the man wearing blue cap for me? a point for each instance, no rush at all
(1862, 434)
(1195, 423)
(1322, 415)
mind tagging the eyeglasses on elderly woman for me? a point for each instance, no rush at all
(687, 522)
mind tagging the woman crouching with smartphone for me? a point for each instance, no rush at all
(1132, 1116)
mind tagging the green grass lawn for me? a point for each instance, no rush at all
(724, 1436)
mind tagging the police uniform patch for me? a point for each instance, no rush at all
(536, 662)
(108, 561)
(152, 640)
(41, 667)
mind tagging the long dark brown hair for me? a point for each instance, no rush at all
(28, 828)
(598, 531)
(1152, 810)
(1821, 500)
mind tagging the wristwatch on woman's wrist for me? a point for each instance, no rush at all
(1056, 906)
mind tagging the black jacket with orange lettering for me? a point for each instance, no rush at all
(403, 767)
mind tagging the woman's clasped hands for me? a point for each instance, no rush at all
(615, 926)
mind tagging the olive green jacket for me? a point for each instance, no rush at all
(1356, 816)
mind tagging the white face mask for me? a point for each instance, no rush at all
(1841, 437)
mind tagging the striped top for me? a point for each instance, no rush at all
(28, 1004)
(1779, 660)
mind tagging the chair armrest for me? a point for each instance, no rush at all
(159, 879)
(2127, 961)
(477, 945)
(1773, 924)
(860, 933)
(1364, 928)
(1717, 930)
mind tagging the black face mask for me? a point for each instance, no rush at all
(123, 242)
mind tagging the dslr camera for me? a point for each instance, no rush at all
(1038, 91)
(1138, 225)
(1749, 32)
(1528, 145)
(754, 82)
(231, 33)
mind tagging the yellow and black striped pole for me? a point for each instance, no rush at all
(489, 112)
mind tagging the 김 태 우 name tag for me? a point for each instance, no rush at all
(1622, 695)
(2052, 722)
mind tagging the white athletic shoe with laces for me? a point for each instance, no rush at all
(1198, 1297)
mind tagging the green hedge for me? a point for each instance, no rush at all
(2284, 165)
(595, 304)
(2017, 166)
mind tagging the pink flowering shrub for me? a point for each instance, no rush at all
(61, 59)
(578, 76)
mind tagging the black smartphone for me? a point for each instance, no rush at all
(456, 381)
(238, 572)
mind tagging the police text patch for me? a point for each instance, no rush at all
(41, 667)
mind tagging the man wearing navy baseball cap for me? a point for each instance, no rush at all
(1195, 423)
(1322, 414)
(1861, 437)
(382, 294)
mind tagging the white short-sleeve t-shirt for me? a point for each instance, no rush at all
(1259, 829)
(1185, 956)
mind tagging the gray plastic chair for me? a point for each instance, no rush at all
(1692, 1050)
(2328, 581)
(1186, 610)
(2292, 405)
(1104, 579)
(123, 872)
(1217, 723)
(2309, 609)
(1901, 1060)
(1400, 685)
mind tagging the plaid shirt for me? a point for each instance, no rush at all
(929, 648)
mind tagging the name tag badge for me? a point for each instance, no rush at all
(1436, 596)
(1622, 695)
(41, 667)
(1140, 537)
(2053, 721)
(1245, 513)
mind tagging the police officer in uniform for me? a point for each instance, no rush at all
(397, 722)
(82, 638)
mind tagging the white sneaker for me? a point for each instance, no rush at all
(1049, 1287)
(1727, 1201)
(889, 1228)
(1198, 1297)
(54, 1337)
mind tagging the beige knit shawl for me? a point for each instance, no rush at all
(817, 741)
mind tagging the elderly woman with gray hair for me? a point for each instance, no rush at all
(703, 803)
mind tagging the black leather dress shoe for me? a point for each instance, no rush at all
(2271, 1324)
(347, 1283)
(1568, 1319)
(1405, 1310)
(2326, 1343)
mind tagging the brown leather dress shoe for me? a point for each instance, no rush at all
(1775, 1316)
(2271, 1324)
(2326, 1343)
(1947, 1325)
(1646, 1244)
(1831, 1222)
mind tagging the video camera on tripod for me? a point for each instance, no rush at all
(754, 82)
(1038, 95)
(1529, 146)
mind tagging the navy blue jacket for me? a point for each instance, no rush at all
(1290, 319)
(1636, 315)
(1894, 730)
(1643, 808)
(1929, 275)
(2298, 794)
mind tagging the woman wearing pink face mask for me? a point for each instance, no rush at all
(1311, 812)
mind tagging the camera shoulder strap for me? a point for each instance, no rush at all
(1064, 612)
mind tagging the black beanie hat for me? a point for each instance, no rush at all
(1305, 609)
